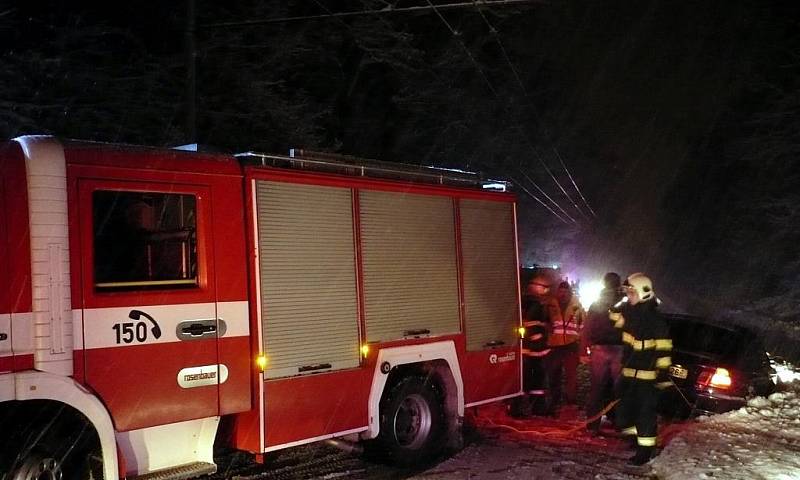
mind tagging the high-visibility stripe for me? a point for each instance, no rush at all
(536, 336)
(663, 344)
(617, 318)
(640, 374)
(534, 323)
(646, 441)
(629, 431)
(663, 385)
(647, 344)
(663, 362)
(559, 331)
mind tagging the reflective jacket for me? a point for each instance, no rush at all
(646, 337)
(567, 323)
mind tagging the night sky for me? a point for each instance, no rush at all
(677, 121)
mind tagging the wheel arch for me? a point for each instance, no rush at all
(437, 361)
(41, 386)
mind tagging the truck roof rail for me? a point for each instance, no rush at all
(299, 159)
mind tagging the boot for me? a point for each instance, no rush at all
(643, 455)
(520, 407)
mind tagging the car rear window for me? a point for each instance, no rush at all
(706, 339)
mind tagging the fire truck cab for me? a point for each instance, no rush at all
(156, 302)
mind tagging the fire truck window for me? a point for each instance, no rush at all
(144, 240)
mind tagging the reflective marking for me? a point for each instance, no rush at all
(629, 431)
(646, 441)
(99, 323)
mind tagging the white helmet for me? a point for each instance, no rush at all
(643, 286)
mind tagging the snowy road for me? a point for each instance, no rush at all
(498, 447)
(540, 448)
(759, 441)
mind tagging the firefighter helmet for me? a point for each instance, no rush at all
(643, 286)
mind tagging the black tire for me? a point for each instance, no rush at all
(53, 451)
(412, 422)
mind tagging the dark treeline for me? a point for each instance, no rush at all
(678, 121)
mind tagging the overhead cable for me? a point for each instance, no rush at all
(520, 185)
(466, 50)
(507, 59)
(494, 92)
(496, 35)
(558, 155)
(558, 184)
(546, 195)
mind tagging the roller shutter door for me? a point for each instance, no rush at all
(490, 270)
(308, 279)
(409, 264)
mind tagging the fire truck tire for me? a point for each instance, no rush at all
(54, 452)
(412, 422)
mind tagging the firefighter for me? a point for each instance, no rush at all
(563, 342)
(604, 344)
(537, 309)
(647, 358)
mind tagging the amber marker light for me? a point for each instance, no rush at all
(261, 361)
(364, 350)
(521, 331)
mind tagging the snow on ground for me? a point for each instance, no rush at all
(759, 441)
(541, 448)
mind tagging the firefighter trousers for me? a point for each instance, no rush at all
(638, 410)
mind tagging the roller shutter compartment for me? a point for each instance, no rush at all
(409, 265)
(489, 262)
(307, 278)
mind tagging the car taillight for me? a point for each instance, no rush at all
(715, 377)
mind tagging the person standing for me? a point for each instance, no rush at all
(647, 358)
(562, 362)
(604, 344)
(536, 311)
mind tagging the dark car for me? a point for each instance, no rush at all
(715, 367)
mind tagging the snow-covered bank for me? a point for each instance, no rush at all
(759, 441)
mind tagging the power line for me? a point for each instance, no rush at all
(558, 155)
(507, 59)
(538, 199)
(496, 36)
(494, 92)
(555, 149)
(558, 184)
(546, 195)
(389, 9)
(466, 50)
(546, 168)
(495, 33)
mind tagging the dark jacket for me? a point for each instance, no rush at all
(646, 337)
(537, 322)
(598, 330)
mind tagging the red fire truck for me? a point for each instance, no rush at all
(154, 302)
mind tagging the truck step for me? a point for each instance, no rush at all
(182, 472)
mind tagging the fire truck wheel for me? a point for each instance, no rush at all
(412, 422)
(55, 454)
